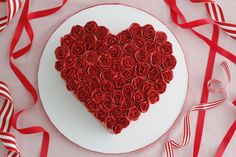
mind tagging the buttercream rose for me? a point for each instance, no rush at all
(127, 62)
(148, 85)
(116, 112)
(91, 27)
(89, 41)
(67, 40)
(153, 96)
(83, 93)
(100, 47)
(116, 66)
(138, 96)
(129, 49)
(77, 50)
(127, 103)
(150, 46)
(155, 59)
(160, 37)
(81, 64)
(91, 106)
(138, 82)
(118, 96)
(61, 52)
(72, 85)
(98, 96)
(154, 74)
(140, 55)
(128, 74)
(160, 85)
(68, 73)
(111, 39)
(141, 69)
(166, 48)
(124, 122)
(110, 122)
(124, 37)
(148, 32)
(93, 83)
(81, 76)
(143, 106)
(59, 65)
(139, 43)
(117, 128)
(104, 61)
(91, 57)
(77, 31)
(107, 104)
(128, 90)
(167, 75)
(101, 32)
(118, 81)
(135, 30)
(69, 60)
(133, 113)
(115, 52)
(106, 86)
(169, 62)
(94, 71)
(101, 115)
(106, 74)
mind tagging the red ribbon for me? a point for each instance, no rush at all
(24, 23)
(175, 14)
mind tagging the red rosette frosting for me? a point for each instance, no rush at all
(124, 37)
(135, 30)
(111, 39)
(153, 96)
(100, 47)
(72, 85)
(77, 31)
(77, 49)
(169, 62)
(115, 52)
(83, 93)
(117, 128)
(167, 75)
(91, 27)
(154, 74)
(91, 106)
(91, 57)
(118, 96)
(67, 40)
(160, 37)
(129, 49)
(59, 65)
(148, 32)
(102, 32)
(116, 77)
(138, 82)
(143, 106)
(166, 48)
(61, 52)
(160, 85)
(68, 73)
(134, 113)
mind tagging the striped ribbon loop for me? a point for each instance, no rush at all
(12, 8)
(217, 15)
(6, 115)
(171, 145)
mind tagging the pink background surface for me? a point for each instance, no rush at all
(217, 122)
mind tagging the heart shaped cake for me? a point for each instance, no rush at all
(116, 77)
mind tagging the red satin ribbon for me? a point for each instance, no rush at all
(24, 23)
(175, 14)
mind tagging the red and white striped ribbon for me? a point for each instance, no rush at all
(12, 8)
(217, 15)
(171, 145)
(6, 114)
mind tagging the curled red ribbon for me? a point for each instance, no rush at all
(24, 23)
